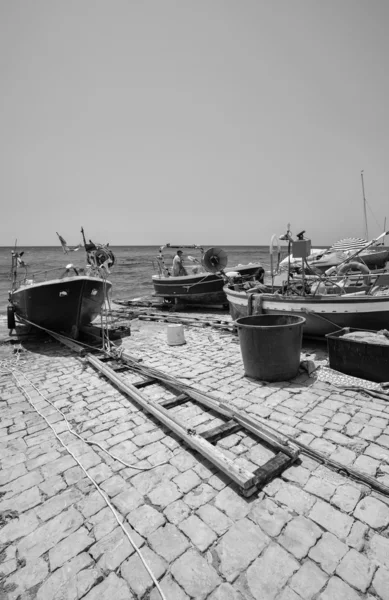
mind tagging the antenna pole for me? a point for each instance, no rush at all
(364, 207)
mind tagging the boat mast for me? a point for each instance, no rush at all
(364, 207)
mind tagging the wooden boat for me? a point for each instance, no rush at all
(324, 314)
(71, 298)
(204, 282)
(328, 303)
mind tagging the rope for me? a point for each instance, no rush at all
(104, 496)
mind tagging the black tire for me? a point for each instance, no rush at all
(11, 318)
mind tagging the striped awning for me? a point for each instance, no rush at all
(349, 244)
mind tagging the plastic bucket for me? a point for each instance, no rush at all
(175, 335)
(271, 345)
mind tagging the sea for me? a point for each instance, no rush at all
(131, 276)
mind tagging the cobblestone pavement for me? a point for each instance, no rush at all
(309, 534)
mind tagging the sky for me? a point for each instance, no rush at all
(193, 121)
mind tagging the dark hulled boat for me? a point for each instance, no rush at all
(69, 299)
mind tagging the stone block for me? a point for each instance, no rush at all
(381, 583)
(176, 512)
(331, 519)
(195, 575)
(373, 512)
(198, 532)
(136, 575)
(68, 548)
(187, 481)
(299, 536)
(112, 587)
(214, 518)
(127, 501)
(356, 570)
(23, 501)
(57, 504)
(378, 550)
(346, 497)
(164, 493)
(113, 549)
(239, 547)
(25, 578)
(320, 487)
(295, 498)
(338, 589)
(269, 516)
(171, 590)
(269, 573)
(168, 542)
(199, 496)
(145, 519)
(229, 501)
(308, 581)
(328, 552)
(50, 534)
(366, 464)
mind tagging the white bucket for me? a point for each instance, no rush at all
(175, 335)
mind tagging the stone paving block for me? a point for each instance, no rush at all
(366, 464)
(295, 498)
(269, 573)
(378, 550)
(113, 587)
(177, 512)
(63, 582)
(25, 578)
(331, 519)
(373, 512)
(68, 548)
(308, 581)
(225, 591)
(58, 503)
(23, 501)
(102, 523)
(42, 459)
(269, 516)
(114, 485)
(357, 536)
(92, 504)
(288, 594)
(328, 552)
(171, 590)
(24, 482)
(187, 481)
(214, 518)
(128, 500)
(145, 482)
(8, 567)
(296, 473)
(346, 497)
(16, 528)
(238, 547)
(113, 549)
(198, 532)
(338, 590)
(320, 487)
(229, 501)
(381, 583)
(199, 496)
(58, 466)
(136, 575)
(195, 575)
(299, 536)
(50, 534)
(168, 542)
(164, 493)
(356, 570)
(145, 519)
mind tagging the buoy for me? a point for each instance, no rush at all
(11, 318)
(175, 335)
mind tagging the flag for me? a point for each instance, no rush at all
(65, 247)
(63, 243)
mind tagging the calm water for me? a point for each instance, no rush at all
(134, 267)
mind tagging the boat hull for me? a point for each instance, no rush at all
(61, 305)
(373, 260)
(202, 288)
(325, 314)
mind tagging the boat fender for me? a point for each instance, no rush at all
(11, 318)
(356, 266)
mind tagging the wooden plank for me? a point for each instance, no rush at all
(272, 468)
(181, 399)
(144, 382)
(217, 433)
(69, 343)
(243, 477)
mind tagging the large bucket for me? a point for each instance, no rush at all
(271, 345)
(175, 335)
